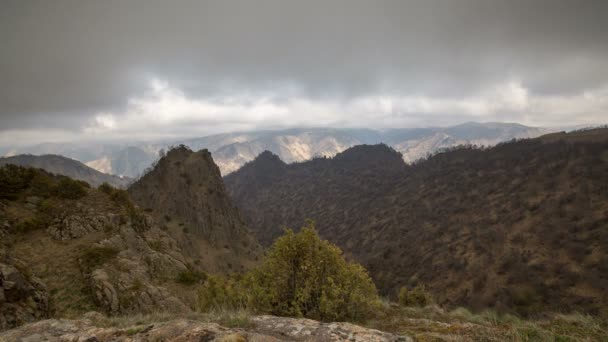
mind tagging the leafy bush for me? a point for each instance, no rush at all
(34, 223)
(221, 293)
(98, 255)
(190, 277)
(418, 296)
(121, 197)
(302, 275)
(68, 188)
(13, 180)
(41, 185)
(106, 188)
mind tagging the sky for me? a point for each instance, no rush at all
(151, 69)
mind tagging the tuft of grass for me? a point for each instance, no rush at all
(96, 256)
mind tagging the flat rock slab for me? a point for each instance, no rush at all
(264, 328)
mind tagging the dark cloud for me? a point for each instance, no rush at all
(61, 62)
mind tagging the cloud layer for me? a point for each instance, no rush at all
(150, 69)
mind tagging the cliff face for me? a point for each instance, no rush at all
(185, 189)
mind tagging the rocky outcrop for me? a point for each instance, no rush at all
(73, 227)
(130, 283)
(23, 298)
(264, 328)
(185, 190)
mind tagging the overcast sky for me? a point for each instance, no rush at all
(146, 69)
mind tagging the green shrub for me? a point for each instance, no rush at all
(96, 256)
(219, 293)
(106, 188)
(301, 275)
(13, 180)
(41, 185)
(68, 188)
(35, 223)
(418, 296)
(190, 277)
(121, 197)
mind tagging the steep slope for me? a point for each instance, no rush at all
(521, 226)
(185, 189)
(66, 249)
(68, 167)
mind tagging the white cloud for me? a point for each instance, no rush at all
(166, 111)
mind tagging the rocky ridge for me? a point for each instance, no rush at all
(186, 191)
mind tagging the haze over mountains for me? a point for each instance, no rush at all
(232, 150)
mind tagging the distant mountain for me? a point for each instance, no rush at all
(68, 167)
(520, 226)
(232, 150)
(185, 190)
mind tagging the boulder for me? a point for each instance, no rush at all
(22, 298)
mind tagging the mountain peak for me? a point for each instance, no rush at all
(187, 187)
(371, 154)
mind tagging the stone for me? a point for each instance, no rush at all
(22, 298)
(264, 329)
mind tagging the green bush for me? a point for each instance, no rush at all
(96, 256)
(106, 188)
(68, 188)
(302, 276)
(190, 277)
(418, 296)
(41, 185)
(13, 180)
(121, 197)
(218, 293)
(35, 223)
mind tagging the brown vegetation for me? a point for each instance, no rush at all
(517, 227)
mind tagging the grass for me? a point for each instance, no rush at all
(98, 255)
(430, 323)
(434, 323)
(132, 322)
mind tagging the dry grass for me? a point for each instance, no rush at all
(227, 318)
(433, 323)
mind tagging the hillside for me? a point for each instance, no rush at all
(233, 150)
(66, 249)
(68, 167)
(517, 227)
(186, 192)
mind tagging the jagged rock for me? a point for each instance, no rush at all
(22, 298)
(74, 226)
(265, 329)
(104, 292)
(187, 187)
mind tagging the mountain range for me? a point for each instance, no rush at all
(518, 227)
(61, 165)
(232, 150)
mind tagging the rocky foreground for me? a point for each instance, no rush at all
(261, 328)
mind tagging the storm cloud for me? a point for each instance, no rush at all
(148, 69)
